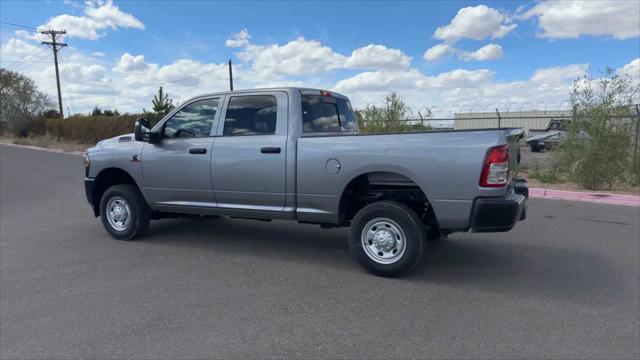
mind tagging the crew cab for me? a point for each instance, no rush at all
(296, 154)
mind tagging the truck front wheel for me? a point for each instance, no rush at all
(124, 213)
(387, 238)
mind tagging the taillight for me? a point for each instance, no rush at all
(495, 171)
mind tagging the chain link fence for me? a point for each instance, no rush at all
(529, 120)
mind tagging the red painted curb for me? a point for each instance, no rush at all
(602, 198)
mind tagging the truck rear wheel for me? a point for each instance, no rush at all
(387, 238)
(124, 213)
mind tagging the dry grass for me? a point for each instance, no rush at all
(45, 141)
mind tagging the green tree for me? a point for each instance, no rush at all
(161, 103)
(389, 118)
(96, 111)
(20, 102)
(598, 148)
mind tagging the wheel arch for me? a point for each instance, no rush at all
(371, 186)
(107, 178)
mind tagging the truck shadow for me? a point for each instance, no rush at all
(513, 267)
(489, 264)
(277, 239)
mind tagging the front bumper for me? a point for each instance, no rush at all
(501, 214)
(89, 185)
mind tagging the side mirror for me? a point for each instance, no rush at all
(142, 132)
(142, 129)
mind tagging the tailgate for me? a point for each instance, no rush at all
(512, 138)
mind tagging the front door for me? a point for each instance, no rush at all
(249, 154)
(177, 171)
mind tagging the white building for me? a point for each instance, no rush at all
(534, 119)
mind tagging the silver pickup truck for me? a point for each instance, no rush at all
(295, 154)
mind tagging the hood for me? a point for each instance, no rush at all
(125, 138)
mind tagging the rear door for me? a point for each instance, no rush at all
(177, 171)
(248, 161)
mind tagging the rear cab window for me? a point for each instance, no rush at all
(327, 114)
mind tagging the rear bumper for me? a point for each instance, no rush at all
(501, 214)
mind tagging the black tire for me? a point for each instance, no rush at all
(535, 148)
(139, 213)
(411, 226)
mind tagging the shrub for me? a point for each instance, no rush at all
(37, 126)
(388, 119)
(598, 147)
(90, 129)
(546, 177)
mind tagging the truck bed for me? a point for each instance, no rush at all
(445, 165)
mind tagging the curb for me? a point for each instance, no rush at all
(40, 148)
(594, 197)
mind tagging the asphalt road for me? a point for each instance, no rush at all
(563, 284)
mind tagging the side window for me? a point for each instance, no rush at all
(193, 120)
(251, 115)
(327, 114)
(347, 116)
(319, 115)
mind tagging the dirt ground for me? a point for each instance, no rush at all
(531, 161)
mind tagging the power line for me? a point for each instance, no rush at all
(36, 59)
(42, 60)
(8, 24)
(29, 54)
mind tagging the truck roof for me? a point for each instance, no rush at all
(302, 90)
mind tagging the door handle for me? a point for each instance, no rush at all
(197, 151)
(270, 150)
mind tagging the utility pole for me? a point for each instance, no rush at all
(230, 76)
(55, 46)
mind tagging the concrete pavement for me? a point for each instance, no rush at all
(563, 284)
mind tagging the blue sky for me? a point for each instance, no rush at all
(531, 50)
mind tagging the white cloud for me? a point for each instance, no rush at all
(129, 63)
(438, 52)
(462, 88)
(632, 69)
(73, 4)
(98, 54)
(17, 47)
(559, 73)
(239, 40)
(487, 52)
(571, 19)
(97, 17)
(302, 57)
(412, 79)
(475, 22)
(78, 72)
(130, 81)
(377, 57)
(297, 57)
